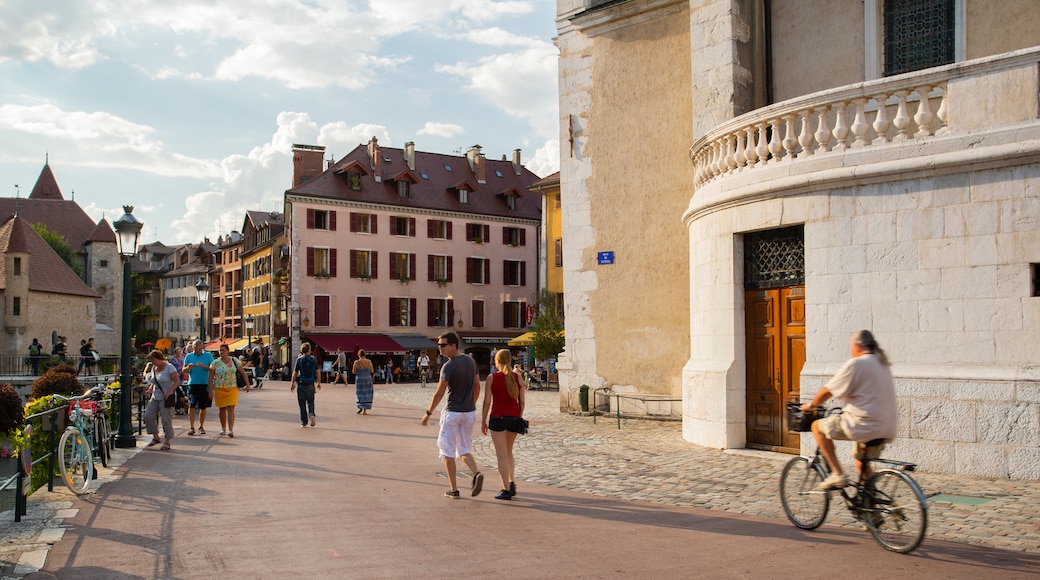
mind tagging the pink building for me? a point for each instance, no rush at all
(391, 247)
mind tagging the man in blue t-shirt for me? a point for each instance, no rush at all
(459, 378)
(200, 385)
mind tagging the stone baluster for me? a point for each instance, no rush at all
(881, 122)
(738, 151)
(841, 130)
(762, 149)
(924, 116)
(730, 161)
(775, 147)
(941, 113)
(713, 163)
(902, 118)
(859, 124)
(823, 131)
(750, 155)
(805, 137)
(790, 141)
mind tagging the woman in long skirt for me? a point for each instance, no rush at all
(363, 383)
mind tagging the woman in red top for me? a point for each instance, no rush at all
(504, 398)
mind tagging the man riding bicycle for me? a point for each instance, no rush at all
(424, 365)
(869, 416)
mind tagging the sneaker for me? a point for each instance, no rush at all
(504, 494)
(478, 483)
(834, 481)
(454, 494)
(512, 489)
(312, 420)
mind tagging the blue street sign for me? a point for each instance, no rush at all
(605, 257)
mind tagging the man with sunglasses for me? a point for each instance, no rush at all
(459, 378)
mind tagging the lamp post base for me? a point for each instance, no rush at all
(125, 441)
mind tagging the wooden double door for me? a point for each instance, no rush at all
(775, 355)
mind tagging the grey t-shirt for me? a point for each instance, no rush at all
(460, 372)
(868, 395)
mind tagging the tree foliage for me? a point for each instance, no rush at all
(61, 246)
(548, 339)
(60, 380)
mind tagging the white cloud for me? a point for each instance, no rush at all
(445, 130)
(546, 159)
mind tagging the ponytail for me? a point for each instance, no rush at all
(504, 358)
(866, 340)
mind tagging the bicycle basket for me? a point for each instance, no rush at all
(87, 408)
(799, 421)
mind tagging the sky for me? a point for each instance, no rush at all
(188, 110)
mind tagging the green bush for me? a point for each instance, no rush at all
(40, 442)
(59, 380)
(12, 414)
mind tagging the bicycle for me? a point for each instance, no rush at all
(889, 503)
(75, 454)
(102, 448)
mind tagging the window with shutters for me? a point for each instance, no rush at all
(478, 271)
(402, 266)
(322, 310)
(477, 313)
(441, 312)
(322, 219)
(513, 315)
(362, 223)
(362, 264)
(402, 226)
(440, 269)
(402, 312)
(364, 310)
(514, 236)
(322, 262)
(478, 233)
(515, 272)
(439, 229)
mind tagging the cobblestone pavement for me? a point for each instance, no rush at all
(649, 461)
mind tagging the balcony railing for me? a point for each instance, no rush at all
(902, 108)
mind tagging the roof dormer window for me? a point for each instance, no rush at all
(404, 189)
(463, 196)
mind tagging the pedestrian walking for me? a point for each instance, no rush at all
(461, 383)
(84, 353)
(363, 384)
(306, 381)
(504, 401)
(225, 388)
(388, 370)
(163, 381)
(197, 366)
(339, 367)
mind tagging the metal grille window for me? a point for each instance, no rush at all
(919, 34)
(774, 258)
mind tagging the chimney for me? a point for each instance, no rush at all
(308, 162)
(471, 156)
(376, 159)
(409, 155)
(480, 168)
(516, 161)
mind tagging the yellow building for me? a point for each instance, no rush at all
(260, 233)
(551, 250)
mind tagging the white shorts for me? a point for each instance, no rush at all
(456, 436)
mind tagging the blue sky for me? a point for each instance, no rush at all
(187, 110)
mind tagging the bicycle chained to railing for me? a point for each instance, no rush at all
(889, 502)
(86, 438)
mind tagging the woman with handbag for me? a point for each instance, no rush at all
(504, 398)
(163, 380)
(227, 375)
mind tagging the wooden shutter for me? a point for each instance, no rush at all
(364, 311)
(332, 220)
(411, 227)
(505, 272)
(523, 237)
(394, 320)
(373, 221)
(429, 262)
(353, 263)
(505, 235)
(487, 234)
(310, 261)
(310, 219)
(505, 315)
(353, 221)
(322, 311)
(393, 266)
(451, 313)
(523, 273)
(477, 314)
(332, 263)
(430, 228)
(411, 266)
(449, 230)
(374, 264)
(411, 311)
(431, 312)
(469, 270)
(449, 269)
(469, 232)
(393, 225)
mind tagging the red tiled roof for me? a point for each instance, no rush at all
(47, 271)
(46, 186)
(60, 216)
(103, 233)
(438, 179)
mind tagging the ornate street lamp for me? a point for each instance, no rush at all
(128, 229)
(203, 290)
(249, 332)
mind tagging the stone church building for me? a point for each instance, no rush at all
(773, 176)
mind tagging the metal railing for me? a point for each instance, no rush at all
(14, 365)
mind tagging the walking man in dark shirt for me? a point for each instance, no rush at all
(459, 379)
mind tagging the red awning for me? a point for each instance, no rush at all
(215, 345)
(349, 342)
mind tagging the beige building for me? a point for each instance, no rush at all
(804, 169)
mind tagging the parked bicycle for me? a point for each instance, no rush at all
(889, 503)
(86, 437)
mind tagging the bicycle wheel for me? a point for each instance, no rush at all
(898, 514)
(75, 460)
(101, 440)
(805, 505)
